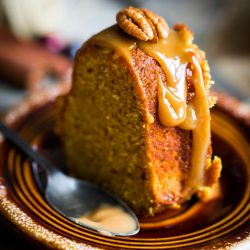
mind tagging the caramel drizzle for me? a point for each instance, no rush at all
(173, 54)
(172, 110)
(201, 134)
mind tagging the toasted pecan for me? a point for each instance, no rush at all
(159, 23)
(142, 24)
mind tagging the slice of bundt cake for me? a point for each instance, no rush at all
(137, 118)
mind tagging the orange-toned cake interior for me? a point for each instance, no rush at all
(137, 119)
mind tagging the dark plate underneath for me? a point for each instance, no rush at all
(220, 223)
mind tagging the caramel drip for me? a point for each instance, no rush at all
(172, 109)
(201, 133)
(172, 101)
(173, 54)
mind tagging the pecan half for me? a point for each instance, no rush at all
(158, 22)
(142, 24)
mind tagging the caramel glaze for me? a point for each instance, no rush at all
(176, 54)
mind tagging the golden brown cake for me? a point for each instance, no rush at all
(137, 118)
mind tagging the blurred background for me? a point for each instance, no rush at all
(38, 40)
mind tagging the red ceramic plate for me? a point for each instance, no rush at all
(221, 223)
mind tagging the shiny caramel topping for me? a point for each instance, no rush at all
(142, 24)
(201, 134)
(181, 62)
(172, 109)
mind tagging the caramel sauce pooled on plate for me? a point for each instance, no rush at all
(108, 219)
(174, 54)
